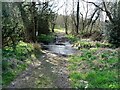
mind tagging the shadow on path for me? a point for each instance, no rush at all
(49, 71)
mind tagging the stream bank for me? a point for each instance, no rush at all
(50, 70)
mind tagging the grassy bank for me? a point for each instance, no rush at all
(16, 61)
(95, 67)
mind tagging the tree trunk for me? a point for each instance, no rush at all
(77, 17)
(66, 29)
(53, 26)
(30, 26)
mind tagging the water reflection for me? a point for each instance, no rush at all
(64, 49)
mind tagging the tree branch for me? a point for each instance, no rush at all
(105, 7)
(107, 12)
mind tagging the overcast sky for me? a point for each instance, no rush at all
(83, 7)
(61, 2)
(69, 5)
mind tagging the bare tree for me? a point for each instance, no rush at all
(84, 19)
(66, 17)
(73, 17)
(76, 18)
(54, 15)
(103, 8)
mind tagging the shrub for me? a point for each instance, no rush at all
(96, 36)
(46, 38)
(23, 49)
(113, 28)
(72, 38)
(14, 61)
(114, 34)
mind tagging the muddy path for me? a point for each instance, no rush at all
(50, 70)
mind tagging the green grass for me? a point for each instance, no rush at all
(102, 79)
(16, 61)
(87, 43)
(94, 68)
(9, 75)
(72, 38)
(46, 38)
(61, 30)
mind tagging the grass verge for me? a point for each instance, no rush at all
(94, 68)
(16, 61)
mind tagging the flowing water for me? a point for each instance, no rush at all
(61, 46)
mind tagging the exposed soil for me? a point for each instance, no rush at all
(49, 71)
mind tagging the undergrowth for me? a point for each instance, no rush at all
(14, 61)
(94, 68)
(46, 38)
